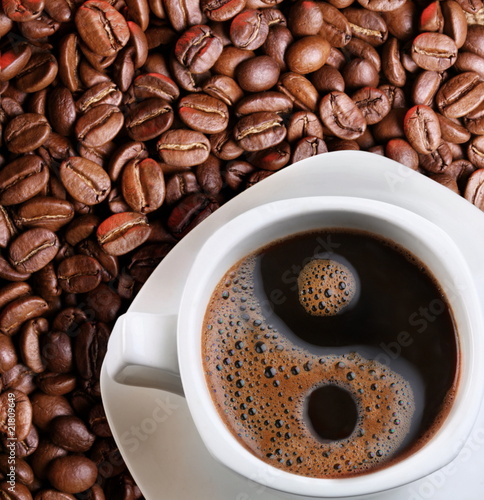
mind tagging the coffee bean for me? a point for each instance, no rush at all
(143, 185)
(22, 179)
(270, 101)
(473, 42)
(373, 103)
(109, 263)
(223, 88)
(121, 233)
(474, 191)
(102, 28)
(455, 22)
(257, 74)
(434, 51)
(189, 212)
(305, 18)
(29, 343)
(453, 131)
(12, 61)
(23, 11)
(38, 73)
(79, 274)
(341, 115)
(367, 25)
(221, 10)
(392, 66)
(431, 18)
(300, 90)
(303, 124)
(99, 124)
(7, 228)
(198, 49)
(273, 158)
(70, 432)
(276, 44)
(148, 119)
(44, 212)
(475, 151)
(259, 131)
(335, 28)
(85, 181)
(183, 147)
(224, 146)
(460, 95)
(203, 113)
(307, 54)
(249, 30)
(20, 409)
(105, 303)
(422, 129)
(308, 147)
(183, 13)
(155, 85)
(359, 73)
(362, 50)
(437, 161)
(181, 184)
(8, 355)
(145, 260)
(23, 471)
(86, 472)
(33, 249)
(56, 384)
(90, 349)
(229, 59)
(474, 121)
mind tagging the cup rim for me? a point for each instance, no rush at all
(218, 438)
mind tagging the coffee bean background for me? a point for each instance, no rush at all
(125, 123)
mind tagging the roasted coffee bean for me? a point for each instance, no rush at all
(129, 151)
(425, 87)
(148, 119)
(307, 147)
(367, 25)
(123, 232)
(305, 18)
(392, 66)
(8, 272)
(99, 124)
(259, 131)
(23, 11)
(20, 409)
(7, 228)
(105, 303)
(45, 408)
(109, 263)
(44, 212)
(12, 61)
(249, 30)
(143, 185)
(198, 49)
(335, 28)
(300, 90)
(180, 185)
(229, 59)
(224, 146)
(43, 455)
(81, 228)
(189, 212)
(223, 88)
(90, 348)
(460, 95)
(79, 274)
(20, 492)
(183, 13)
(30, 345)
(475, 151)
(70, 432)
(467, 61)
(221, 10)
(307, 54)
(56, 384)
(38, 73)
(382, 5)
(373, 103)
(452, 131)
(455, 22)
(57, 352)
(102, 28)
(13, 291)
(23, 471)
(434, 51)
(276, 44)
(270, 101)
(474, 191)
(303, 124)
(85, 181)
(101, 93)
(359, 73)
(422, 129)
(22, 179)
(257, 74)
(155, 85)
(341, 115)
(204, 113)
(98, 422)
(33, 249)
(273, 158)
(431, 18)
(85, 477)
(8, 354)
(474, 121)
(362, 50)
(438, 161)
(327, 79)
(183, 147)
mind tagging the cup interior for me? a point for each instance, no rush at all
(268, 223)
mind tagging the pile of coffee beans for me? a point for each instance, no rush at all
(125, 123)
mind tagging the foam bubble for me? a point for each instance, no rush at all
(326, 287)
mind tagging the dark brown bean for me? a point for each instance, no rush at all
(148, 119)
(474, 191)
(8, 354)
(249, 30)
(79, 274)
(367, 25)
(183, 147)
(86, 473)
(437, 161)
(70, 432)
(259, 131)
(38, 73)
(460, 95)
(204, 113)
(99, 124)
(434, 51)
(307, 54)
(45, 212)
(300, 90)
(340, 114)
(15, 404)
(373, 103)
(422, 129)
(29, 343)
(308, 147)
(33, 249)
(475, 151)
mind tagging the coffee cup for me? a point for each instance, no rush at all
(165, 351)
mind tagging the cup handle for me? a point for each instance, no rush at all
(142, 351)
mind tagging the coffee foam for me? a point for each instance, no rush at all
(326, 287)
(260, 382)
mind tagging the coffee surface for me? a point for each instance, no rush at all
(356, 376)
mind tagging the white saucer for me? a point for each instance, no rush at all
(154, 430)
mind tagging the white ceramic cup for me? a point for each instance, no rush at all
(165, 351)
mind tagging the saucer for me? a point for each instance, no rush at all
(154, 430)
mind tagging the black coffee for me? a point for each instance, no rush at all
(330, 354)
